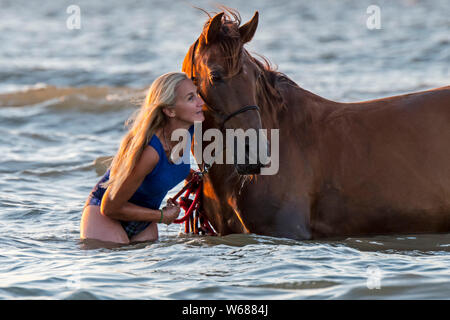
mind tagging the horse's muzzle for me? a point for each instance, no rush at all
(249, 168)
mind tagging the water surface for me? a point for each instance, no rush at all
(65, 94)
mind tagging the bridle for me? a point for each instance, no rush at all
(226, 117)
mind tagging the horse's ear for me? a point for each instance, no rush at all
(214, 28)
(248, 30)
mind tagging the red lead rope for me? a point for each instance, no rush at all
(195, 220)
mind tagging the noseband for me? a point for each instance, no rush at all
(227, 117)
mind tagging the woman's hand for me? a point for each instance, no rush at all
(170, 212)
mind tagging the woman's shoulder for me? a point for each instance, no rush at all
(155, 142)
(149, 159)
(154, 145)
(150, 151)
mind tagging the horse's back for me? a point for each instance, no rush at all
(386, 165)
(407, 134)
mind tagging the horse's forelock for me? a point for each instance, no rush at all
(231, 17)
(228, 40)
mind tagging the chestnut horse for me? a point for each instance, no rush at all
(345, 169)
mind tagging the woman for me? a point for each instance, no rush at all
(123, 206)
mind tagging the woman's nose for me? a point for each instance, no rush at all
(200, 101)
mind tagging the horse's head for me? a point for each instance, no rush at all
(226, 77)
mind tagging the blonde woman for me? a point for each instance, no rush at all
(124, 205)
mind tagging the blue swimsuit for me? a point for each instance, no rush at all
(164, 177)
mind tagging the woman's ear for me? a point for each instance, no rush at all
(170, 112)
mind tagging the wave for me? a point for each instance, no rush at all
(51, 172)
(74, 97)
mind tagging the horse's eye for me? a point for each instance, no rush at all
(215, 76)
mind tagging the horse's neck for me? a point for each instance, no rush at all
(300, 107)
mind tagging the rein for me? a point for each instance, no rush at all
(195, 220)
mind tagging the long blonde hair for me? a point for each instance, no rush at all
(143, 124)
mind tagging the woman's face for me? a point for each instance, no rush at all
(188, 105)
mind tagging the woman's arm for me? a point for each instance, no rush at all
(118, 207)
